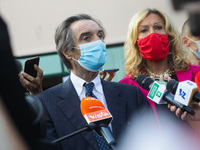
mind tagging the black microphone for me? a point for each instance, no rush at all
(172, 87)
(158, 93)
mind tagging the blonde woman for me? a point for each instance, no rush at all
(153, 47)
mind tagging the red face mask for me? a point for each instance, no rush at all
(154, 47)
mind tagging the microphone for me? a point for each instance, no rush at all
(197, 79)
(185, 92)
(94, 112)
(97, 117)
(159, 94)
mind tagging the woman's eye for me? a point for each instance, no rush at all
(158, 27)
(143, 30)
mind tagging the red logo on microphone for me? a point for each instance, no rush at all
(97, 115)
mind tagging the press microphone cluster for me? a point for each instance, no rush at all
(159, 94)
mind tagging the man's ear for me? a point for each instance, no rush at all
(67, 54)
(185, 41)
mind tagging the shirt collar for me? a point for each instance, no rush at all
(97, 84)
(78, 83)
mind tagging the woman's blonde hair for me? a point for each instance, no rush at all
(135, 63)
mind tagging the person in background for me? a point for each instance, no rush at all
(192, 46)
(80, 44)
(153, 48)
(191, 43)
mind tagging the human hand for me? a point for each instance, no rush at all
(166, 78)
(33, 85)
(110, 73)
(184, 115)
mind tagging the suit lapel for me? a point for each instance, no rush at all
(70, 105)
(116, 106)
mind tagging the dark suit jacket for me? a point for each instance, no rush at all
(63, 115)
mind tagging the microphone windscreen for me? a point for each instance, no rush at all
(144, 81)
(197, 80)
(172, 86)
(90, 104)
(140, 78)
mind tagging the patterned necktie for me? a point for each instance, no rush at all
(89, 87)
(100, 140)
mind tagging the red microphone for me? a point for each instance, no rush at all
(90, 104)
(94, 112)
(197, 80)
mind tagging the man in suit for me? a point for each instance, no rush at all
(80, 44)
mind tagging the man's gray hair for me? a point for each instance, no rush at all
(64, 37)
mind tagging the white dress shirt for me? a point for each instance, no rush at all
(80, 89)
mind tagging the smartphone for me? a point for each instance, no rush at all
(114, 70)
(29, 66)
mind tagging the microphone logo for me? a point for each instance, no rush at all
(182, 93)
(157, 91)
(159, 94)
(97, 115)
(190, 83)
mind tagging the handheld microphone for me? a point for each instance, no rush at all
(159, 94)
(185, 92)
(197, 80)
(94, 112)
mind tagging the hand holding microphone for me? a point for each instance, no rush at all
(159, 94)
(186, 92)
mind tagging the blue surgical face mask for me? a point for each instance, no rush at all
(93, 55)
(198, 44)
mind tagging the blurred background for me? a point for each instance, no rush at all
(32, 24)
